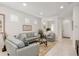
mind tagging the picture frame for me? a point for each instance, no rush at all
(27, 27)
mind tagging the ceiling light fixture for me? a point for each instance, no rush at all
(24, 4)
(61, 7)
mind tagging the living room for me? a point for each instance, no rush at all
(18, 22)
(36, 28)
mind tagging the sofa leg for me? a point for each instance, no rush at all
(4, 49)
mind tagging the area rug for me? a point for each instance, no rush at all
(43, 49)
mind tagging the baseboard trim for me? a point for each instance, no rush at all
(66, 37)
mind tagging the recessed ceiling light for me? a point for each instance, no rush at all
(24, 4)
(61, 7)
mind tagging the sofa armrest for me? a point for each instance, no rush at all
(31, 50)
(11, 48)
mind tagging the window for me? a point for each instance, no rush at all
(52, 27)
(14, 18)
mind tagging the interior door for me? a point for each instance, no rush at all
(67, 28)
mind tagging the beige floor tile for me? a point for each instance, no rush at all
(63, 47)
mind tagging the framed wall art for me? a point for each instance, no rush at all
(27, 27)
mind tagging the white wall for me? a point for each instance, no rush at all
(60, 27)
(15, 27)
(75, 24)
(15, 19)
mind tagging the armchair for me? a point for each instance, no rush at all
(50, 37)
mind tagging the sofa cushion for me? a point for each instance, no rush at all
(35, 34)
(17, 42)
(29, 35)
(17, 36)
(22, 37)
(32, 34)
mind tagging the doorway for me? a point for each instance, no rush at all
(67, 29)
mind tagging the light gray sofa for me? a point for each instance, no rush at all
(28, 37)
(17, 47)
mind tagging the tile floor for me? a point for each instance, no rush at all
(64, 47)
(44, 50)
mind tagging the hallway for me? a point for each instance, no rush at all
(63, 47)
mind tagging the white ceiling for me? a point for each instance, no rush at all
(47, 8)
